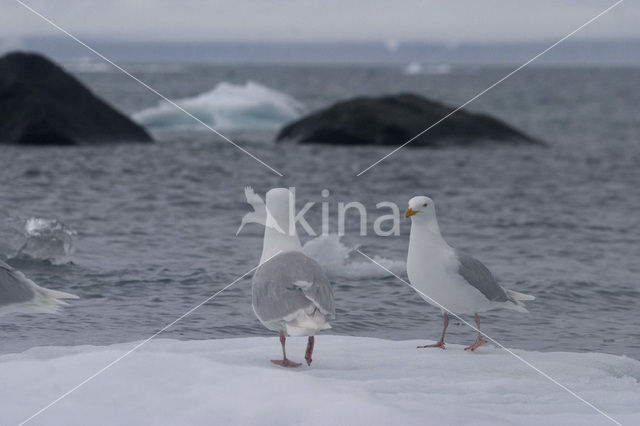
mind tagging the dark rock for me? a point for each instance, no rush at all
(393, 120)
(41, 104)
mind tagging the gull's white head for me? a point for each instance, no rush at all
(421, 210)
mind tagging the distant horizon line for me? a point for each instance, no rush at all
(380, 42)
(605, 51)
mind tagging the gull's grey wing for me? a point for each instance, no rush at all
(477, 275)
(288, 282)
(13, 288)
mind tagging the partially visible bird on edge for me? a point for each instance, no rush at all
(458, 282)
(19, 294)
(290, 292)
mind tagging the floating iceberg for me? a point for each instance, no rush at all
(413, 68)
(47, 239)
(339, 260)
(251, 106)
(86, 64)
(352, 381)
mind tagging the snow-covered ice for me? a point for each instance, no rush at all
(352, 381)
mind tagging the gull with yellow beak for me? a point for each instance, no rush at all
(449, 279)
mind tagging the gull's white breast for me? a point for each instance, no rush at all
(433, 269)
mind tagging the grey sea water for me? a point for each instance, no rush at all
(154, 225)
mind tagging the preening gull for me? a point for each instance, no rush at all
(290, 292)
(19, 294)
(458, 282)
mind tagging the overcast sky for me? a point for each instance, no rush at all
(441, 21)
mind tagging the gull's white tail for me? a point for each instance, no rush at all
(520, 296)
(517, 298)
(306, 322)
(47, 300)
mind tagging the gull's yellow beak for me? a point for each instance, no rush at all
(410, 212)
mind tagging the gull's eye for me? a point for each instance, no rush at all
(424, 205)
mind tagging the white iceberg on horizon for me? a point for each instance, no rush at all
(417, 68)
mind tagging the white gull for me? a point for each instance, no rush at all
(290, 292)
(448, 278)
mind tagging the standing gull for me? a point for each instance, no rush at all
(290, 293)
(458, 282)
(19, 294)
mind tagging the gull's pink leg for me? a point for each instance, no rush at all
(479, 340)
(440, 344)
(284, 362)
(307, 354)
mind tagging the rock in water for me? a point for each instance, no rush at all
(394, 119)
(41, 104)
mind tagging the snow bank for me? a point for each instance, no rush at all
(355, 381)
(251, 106)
